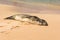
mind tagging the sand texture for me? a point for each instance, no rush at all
(15, 30)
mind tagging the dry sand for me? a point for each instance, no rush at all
(15, 30)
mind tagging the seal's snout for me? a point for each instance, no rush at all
(43, 22)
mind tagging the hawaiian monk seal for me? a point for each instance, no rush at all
(28, 18)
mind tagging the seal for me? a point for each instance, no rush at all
(28, 18)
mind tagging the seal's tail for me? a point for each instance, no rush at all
(9, 17)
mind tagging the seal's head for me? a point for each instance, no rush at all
(38, 21)
(43, 22)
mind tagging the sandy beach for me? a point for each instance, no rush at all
(15, 30)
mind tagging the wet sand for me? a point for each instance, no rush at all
(15, 30)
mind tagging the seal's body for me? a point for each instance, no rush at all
(28, 18)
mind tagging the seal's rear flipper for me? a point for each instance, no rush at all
(11, 17)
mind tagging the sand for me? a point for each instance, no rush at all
(15, 30)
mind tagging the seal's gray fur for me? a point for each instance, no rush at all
(28, 18)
